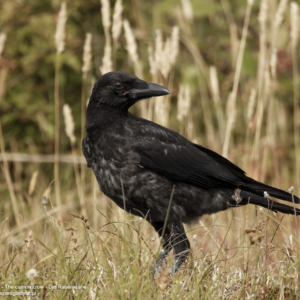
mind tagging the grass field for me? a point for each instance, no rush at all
(232, 69)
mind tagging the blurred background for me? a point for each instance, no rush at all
(231, 66)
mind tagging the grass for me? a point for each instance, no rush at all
(114, 261)
(84, 247)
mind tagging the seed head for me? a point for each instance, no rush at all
(117, 20)
(2, 42)
(237, 196)
(105, 12)
(174, 45)
(44, 201)
(32, 183)
(69, 123)
(158, 48)
(87, 54)
(294, 23)
(214, 83)
(152, 62)
(132, 47)
(60, 28)
(31, 274)
(187, 9)
(165, 62)
(106, 61)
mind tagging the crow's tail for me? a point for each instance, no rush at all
(267, 203)
(277, 193)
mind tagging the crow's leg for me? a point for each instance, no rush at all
(181, 245)
(166, 245)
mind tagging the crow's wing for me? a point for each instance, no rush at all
(168, 153)
(171, 155)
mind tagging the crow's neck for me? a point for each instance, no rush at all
(101, 117)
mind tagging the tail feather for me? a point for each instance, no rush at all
(274, 192)
(267, 203)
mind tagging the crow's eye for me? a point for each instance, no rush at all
(117, 86)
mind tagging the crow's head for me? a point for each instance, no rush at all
(120, 90)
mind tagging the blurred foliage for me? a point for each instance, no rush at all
(27, 105)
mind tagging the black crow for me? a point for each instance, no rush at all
(137, 163)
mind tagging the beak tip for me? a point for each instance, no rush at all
(157, 89)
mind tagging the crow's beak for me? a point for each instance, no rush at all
(153, 90)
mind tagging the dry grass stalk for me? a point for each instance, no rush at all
(215, 91)
(165, 53)
(294, 40)
(3, 76)
(260, 109)
(165, 61)
(279, 16)
(107, 65)
(152, 62)
(69, 123)
(231, 109)
(116, 29)
(262, 64)
(153, 72)
(268, 60)
(70, 128)
(273, 62)
(168, 51)
(237, 74)
(276, 24)
(161, 109)
(132, 48)
(105, 12)
(60, 46)
(262, 18)
(87, 54)
(214, 84)
(2, 42)
(263, 15)
(107, 58)
(234, 40)
(60, 28)
(251, 106)
(45, 203)
(158, 55)
(7, 176)
(174, 45)
(183, 102)
(87, 62)
(187, 10)
(294, 23)
(117, 20)
(32, 183)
